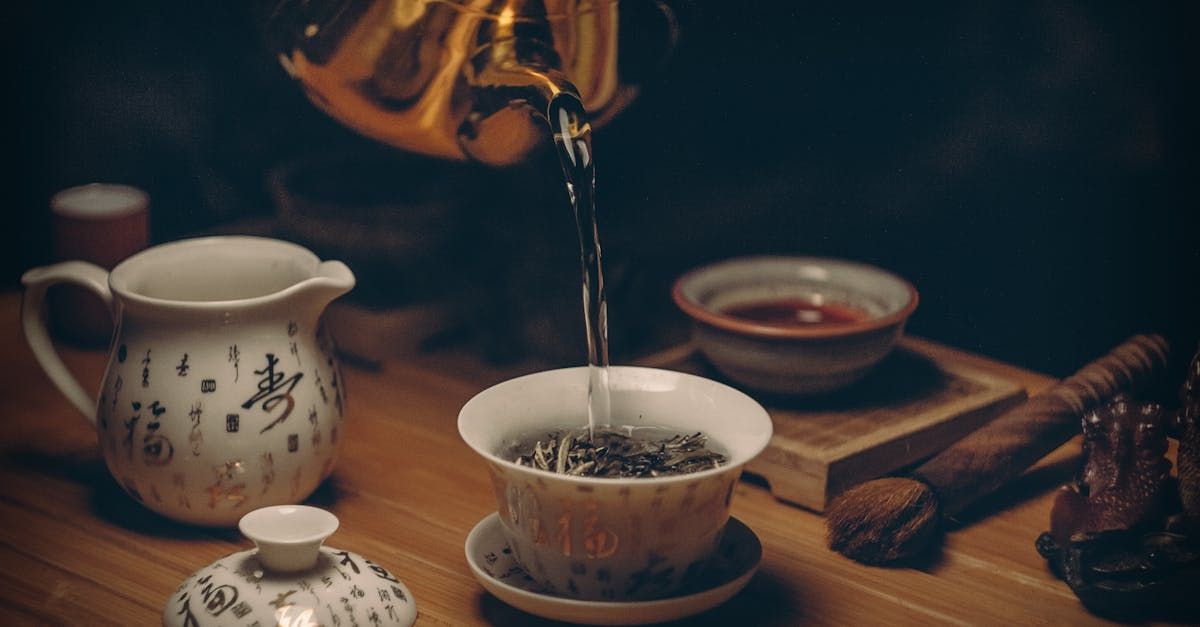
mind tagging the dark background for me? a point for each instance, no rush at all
(1029, 166)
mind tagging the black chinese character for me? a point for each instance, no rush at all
(235, 358)
(381, 572)
(117, 385)
(274, 388)
(131, 426)
(217, 599)
(320, 385)
(346, 561)
(157, 450)
(185, 610)
(231, 423)
(146, 369)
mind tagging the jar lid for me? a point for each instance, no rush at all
(290, 579)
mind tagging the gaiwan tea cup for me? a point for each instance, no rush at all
(614, 539)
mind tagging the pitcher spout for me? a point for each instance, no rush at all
(331, 280)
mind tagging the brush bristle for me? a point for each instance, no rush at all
(883, 521)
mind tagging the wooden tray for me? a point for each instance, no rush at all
(915, 403)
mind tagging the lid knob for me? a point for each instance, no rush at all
(288, 537)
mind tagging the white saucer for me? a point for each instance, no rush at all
(736, 562)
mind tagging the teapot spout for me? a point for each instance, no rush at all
(331, 280)
(513, 81)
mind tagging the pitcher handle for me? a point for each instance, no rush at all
(33, 322)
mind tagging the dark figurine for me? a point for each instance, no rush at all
(1187, 431)
(1124, 478)
(1124, 535)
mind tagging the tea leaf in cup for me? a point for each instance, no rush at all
(643, 452)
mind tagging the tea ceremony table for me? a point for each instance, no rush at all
(76, 550)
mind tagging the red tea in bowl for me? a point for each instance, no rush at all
(796, 313)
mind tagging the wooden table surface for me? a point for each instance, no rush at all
(76, 550)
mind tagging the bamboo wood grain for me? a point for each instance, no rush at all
(75, 550)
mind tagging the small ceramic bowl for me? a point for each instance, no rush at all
(613, 539)
(798, 358)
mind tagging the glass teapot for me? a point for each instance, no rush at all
(461, 79)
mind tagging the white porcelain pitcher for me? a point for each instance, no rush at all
(222, 392)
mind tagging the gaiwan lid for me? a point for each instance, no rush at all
(290, 579)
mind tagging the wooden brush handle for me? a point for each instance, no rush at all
(983, 461)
